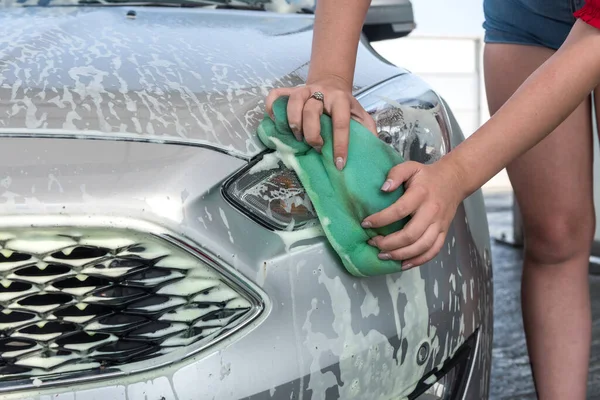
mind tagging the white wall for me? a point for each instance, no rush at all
(448, 18)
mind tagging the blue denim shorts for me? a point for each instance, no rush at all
(544, 23)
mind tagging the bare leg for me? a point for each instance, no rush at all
(553, 186)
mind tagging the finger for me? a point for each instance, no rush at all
(274, 95)
(373, 241)
(407, 236)
(340, 116)
(405, 206)
(421, 246)
(294, 110)
(428, 255)
(398, 175)
(411, 233)
(369, 122)
(362, 116)
(311, 123)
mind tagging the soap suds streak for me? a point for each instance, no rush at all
(172, 86)
(290, 239)
(224, 218)
(297, 333)
(367, 367)
(370, 305)
(226, 223)
(270, 161)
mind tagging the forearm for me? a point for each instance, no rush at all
(535, 110)
(338, 26)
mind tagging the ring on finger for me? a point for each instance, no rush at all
(318, 96)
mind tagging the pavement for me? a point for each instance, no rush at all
(511, 375)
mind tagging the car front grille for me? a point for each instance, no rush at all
(90, 300)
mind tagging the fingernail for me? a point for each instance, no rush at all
(371, 242)
(318, 148)
(366, 224)
(294, 129)
(406, 266)
(339, 163)
(385, 256)
(386, 185)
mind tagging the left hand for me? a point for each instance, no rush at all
(304, 113)
(433, 193)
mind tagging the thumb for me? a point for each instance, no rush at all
(359, 114)
(400, 174)
(272, 97)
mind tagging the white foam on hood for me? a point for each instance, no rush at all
(291, 238)
(269, 161)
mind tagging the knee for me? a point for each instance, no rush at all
(560, 238)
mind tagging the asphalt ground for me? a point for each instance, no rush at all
(511, 375)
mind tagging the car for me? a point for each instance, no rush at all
(152, 248)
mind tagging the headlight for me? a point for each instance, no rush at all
(410, 117)
(273, 195)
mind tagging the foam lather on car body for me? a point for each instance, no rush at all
(342, 199)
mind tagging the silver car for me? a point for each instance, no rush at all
(150, 246)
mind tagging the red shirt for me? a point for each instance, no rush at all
(590, 13)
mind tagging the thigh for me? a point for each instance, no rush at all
(552, 181)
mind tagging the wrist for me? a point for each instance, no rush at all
(330, 78)
(457, 175)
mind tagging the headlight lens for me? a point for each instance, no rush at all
(410, 117)
(273, 194)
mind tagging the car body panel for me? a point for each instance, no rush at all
(193, 83)
(337, 327)
(193, 76)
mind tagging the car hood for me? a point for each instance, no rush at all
(195, 76)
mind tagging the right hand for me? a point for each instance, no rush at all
(304, 113)
(433, 193)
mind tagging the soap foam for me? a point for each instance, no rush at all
(291, 238)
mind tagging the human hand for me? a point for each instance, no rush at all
(433, 193)
(304, 113)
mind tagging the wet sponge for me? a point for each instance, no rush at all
(342, 199)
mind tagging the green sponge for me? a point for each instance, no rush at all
(342, 199)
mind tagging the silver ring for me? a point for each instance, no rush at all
(318, 96)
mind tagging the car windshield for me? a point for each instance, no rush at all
(284, 6)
